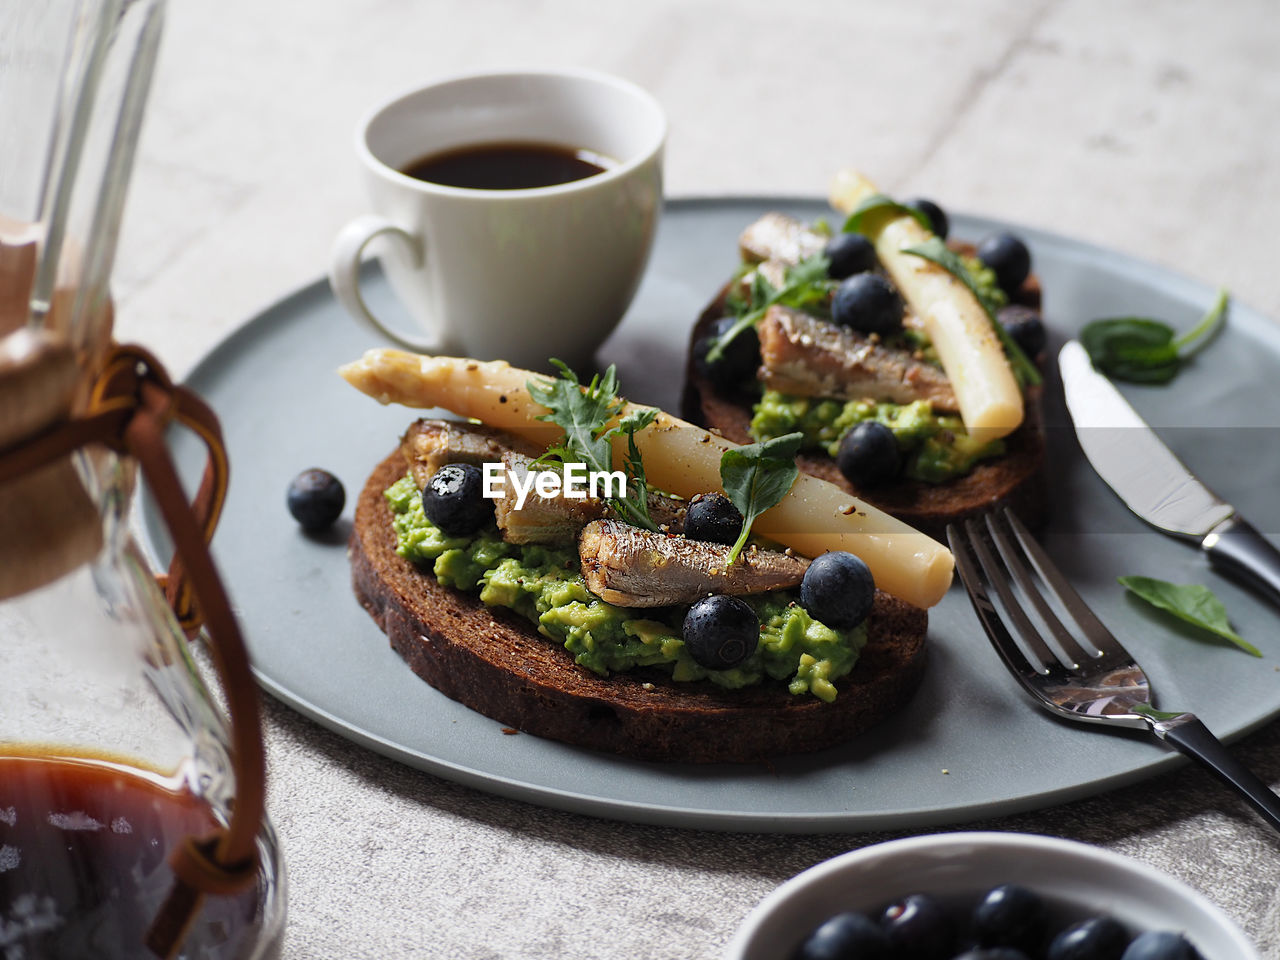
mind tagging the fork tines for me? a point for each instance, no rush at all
(1107, 688)
(1014, 565)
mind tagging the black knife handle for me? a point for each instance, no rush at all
(1236, 548)
(1193, 738)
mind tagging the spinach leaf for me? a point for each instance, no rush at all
(1142, 350)
(757, 477)
(878, 202)
(1190, 602)
(586, 414)
(936, 251)
(1132, 348)
(807, 284)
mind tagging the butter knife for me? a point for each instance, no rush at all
(1154, 484)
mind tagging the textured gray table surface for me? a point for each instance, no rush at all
(1145, 127)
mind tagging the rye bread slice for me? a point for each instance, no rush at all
(1016, 479)
(494, 661)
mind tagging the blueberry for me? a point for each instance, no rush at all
(1010, 916)
(721, 631)
(1160, 945)
(1025, 327)
(919, 928)
(868, 454)
(869, 303)
(454, 500)
(838, 589)
(849, 253)
(1008, 257)
(1098, 938)
(993, 953)
(937, 219)
(712, 517)
(846, 936)
(315, 498)
(738, 363)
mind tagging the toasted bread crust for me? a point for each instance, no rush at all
(494, 662)
(1016, 479)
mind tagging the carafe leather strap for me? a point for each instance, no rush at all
(132, 403)
(131, 379)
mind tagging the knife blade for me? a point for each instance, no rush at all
(1153, 483)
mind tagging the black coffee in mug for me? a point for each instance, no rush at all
(515, 165)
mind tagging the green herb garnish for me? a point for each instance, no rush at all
(756, 477)
(1190, 602)
(935, 251)
(756, 296)
(1142, 350)
(587, 415)
(877, 203)
(807, 283)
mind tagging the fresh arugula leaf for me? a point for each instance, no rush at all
(1142, 350)
(877, 203)
(807, 284)
(936, 251)
(735, 302)
(756, 477)
(760, 292)
(633, 465)
(807, 278)
(1191, 602)
(586, 415)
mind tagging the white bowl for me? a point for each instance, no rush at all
(1075, 880)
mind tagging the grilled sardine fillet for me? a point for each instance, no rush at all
(776, 236)
(808, 357)
(630, 567)
(430, 444)
(557, 520)
(548, 520)
(777, 241)
(666, 512)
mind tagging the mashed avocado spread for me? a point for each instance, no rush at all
(935, 447)
(545, 586)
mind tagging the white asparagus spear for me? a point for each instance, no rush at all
(679, 458)
(988, 395)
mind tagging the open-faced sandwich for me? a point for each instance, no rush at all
(652, 616)
(907, 365)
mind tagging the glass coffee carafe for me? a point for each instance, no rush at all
(131, 819)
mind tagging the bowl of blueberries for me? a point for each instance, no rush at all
(986, 896)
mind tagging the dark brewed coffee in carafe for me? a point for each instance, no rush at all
(84, 849)
(113, 753)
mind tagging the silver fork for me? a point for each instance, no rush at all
(1104, 685)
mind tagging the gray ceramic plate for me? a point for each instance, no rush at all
(969, 745)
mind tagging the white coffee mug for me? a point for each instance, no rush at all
(519, 275)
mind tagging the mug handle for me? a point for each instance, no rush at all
(344, 274)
